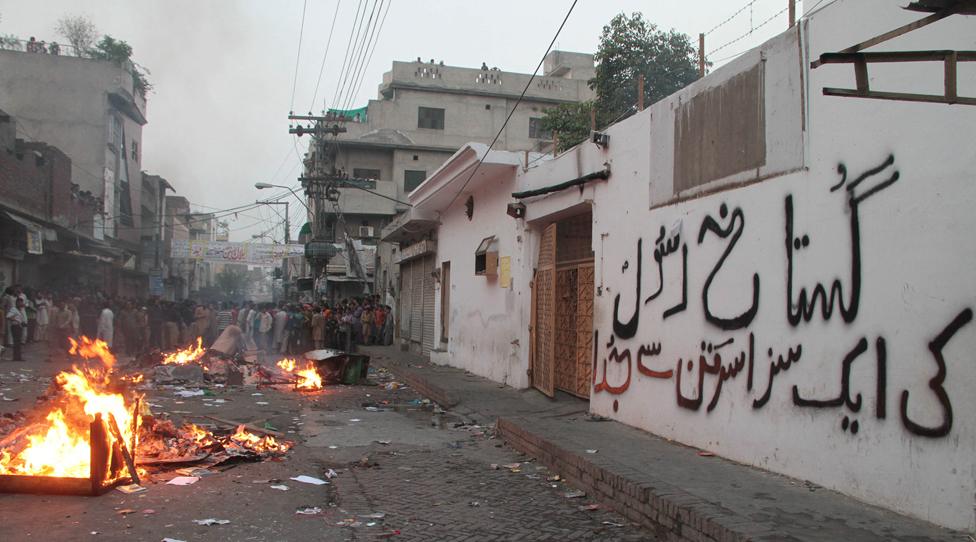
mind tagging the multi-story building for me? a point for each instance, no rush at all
(93, 111)
(424, 113)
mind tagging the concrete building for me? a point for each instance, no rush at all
(46, 220)
(424, 112)
(90, 110)
(784, 286)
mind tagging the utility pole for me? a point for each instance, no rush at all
(287, 225)
(640, 92)
(701, 55)
(792, 13)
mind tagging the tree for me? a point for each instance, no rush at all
(79, 31)
(120, 52)
(629, 47)
(234, 284)
(570, 123)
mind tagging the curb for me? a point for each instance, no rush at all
(423, 386)
(671, 513)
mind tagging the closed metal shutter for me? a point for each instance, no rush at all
(406, 286)
(417, 301)
(428, 338)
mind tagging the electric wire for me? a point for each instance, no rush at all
(328, 44)
(345, 56)
(360, 66)
(750, 32)
(517, 102)
(356, 57)
(301, 31)
(369, 59)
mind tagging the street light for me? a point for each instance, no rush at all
(262, 186)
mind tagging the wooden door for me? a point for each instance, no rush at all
(445, 301)
(544, 335)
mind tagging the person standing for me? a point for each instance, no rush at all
(265, 324)
(278, 331)
(318, 328)
(17, 321)
(106, 324)
(142, 329)
(224, 318)
(43, 306)
(367, 320)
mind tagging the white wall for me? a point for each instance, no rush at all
(485, 319)
(915, 289)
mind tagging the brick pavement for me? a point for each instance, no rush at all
(665, 486)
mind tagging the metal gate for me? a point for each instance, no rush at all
(543, 329)
(427, 341)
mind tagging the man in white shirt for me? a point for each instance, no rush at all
(106, 325)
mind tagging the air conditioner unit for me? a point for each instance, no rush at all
(366, 232)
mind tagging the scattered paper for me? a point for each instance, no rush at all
(126, 511)
(330, 474)
(188, 393)
(309, 480)
(211, 521)
(260, 402)
(280, 488)
(355, 420)
(173, 540)
(131, 488)
(183, 481)
(257, 394)
(309, 510)
(592, 451)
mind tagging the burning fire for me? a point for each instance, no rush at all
(90, 349)
(187, 355)
(60, 445)
(263, 444)
(308, 378)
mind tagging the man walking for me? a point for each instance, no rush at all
(106, 324)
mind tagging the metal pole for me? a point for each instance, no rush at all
(792, 13)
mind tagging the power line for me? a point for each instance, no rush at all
(328, 43)
(360, 67)
(358, 85)
(345, 57)
(301, 31)
(355, 58)
(517, 102)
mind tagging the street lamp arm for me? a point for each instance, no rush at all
(261, 186)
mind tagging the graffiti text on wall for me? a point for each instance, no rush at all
(700, 378)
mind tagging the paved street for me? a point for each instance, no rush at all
(404, 472)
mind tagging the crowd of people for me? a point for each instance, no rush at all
(133, 327)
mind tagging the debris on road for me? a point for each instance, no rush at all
(183, 481)
(309, 480)
(131, 488)
(211, 521)
(281, 487)
(575, 494)
(309, 511)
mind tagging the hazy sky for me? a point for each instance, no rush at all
(223, 70)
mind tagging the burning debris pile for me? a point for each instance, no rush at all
(92, 428)
(308, 377)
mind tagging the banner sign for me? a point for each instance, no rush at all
(228, 252)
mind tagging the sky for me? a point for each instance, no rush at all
(224, 72)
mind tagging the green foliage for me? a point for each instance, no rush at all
(112, 49)
(629, 47)
(120, 52)
(570, 123)
(233, 284)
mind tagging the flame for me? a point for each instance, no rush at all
(308, 378)
(90, 349)
(187, 355)
(251, 441)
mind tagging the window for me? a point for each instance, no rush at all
(536, 131)
(486, 257)
(135, 150)
(430, 117)
(412, 179)
(361, 173)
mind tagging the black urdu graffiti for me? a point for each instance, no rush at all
(709, 224)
